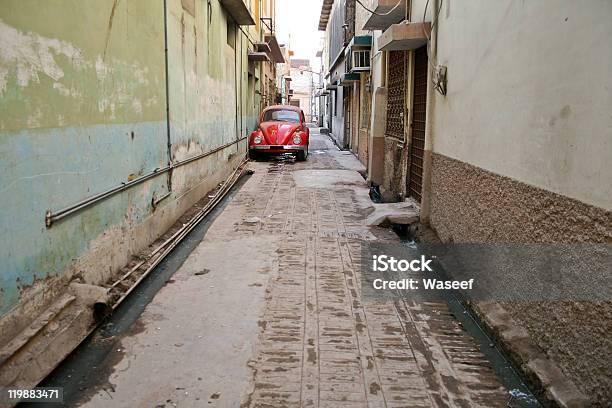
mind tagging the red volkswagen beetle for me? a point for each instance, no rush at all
(281, 130)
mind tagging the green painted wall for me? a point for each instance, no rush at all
(83, 109)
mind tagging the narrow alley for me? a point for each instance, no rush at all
(267, 312)
(319, 204)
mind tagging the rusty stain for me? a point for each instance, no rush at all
(110, 27)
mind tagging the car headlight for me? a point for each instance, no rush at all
(257, 139)
(297, 140)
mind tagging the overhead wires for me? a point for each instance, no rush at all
(380, 14)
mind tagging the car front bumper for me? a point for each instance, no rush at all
(279, 147)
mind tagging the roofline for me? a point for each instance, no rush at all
(325, 13)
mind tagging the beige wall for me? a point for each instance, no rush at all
(539, 73)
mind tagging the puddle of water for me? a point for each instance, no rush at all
(520, 396)
(519, 393)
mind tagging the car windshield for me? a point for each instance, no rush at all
(283, 115)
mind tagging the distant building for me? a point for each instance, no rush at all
(302, 86)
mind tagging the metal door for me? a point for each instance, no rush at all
(419, 106)
(347, 116)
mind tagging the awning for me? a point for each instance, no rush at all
(258, 56)
(404, 36)
(239, 11)
(349, 79)
(384, 17)
(361, 41)
(275, 52)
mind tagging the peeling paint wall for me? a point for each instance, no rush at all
(207, 100)
(83, 108)
(83, 102)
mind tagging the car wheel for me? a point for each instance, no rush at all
(253, 155)
(302, 154)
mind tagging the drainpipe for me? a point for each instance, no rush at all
(169, 140)
(236, 77)
(430, 109)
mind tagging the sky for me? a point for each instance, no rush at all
(297, 23)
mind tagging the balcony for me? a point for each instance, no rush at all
(276, 53)
(326, 10)
(404, 36)
(239, 11)
(382, 22)
(258, 56)
(263, 47)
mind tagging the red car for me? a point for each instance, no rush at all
(281, 130)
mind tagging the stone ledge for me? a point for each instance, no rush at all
(551, 384)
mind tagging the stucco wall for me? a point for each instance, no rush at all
(83, 102)
(207, 109)
(83, 108)
(539, 73)
(522, 150)
(470, 204)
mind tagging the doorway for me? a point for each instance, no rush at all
(417, 142)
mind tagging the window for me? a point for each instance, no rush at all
(282, 115)
(231, 33)
(361, 60)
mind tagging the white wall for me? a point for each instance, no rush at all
(530, 92)
(301, 83)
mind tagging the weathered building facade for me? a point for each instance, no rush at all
(347, 58)
(532, 162)
(266, 53)
(492, 117)
(116, 118)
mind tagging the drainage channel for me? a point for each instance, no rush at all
(520, 394)
(88, 368)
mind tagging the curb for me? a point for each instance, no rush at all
(550, 382)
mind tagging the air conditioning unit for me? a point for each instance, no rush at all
(360, 60)
(357, 54)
